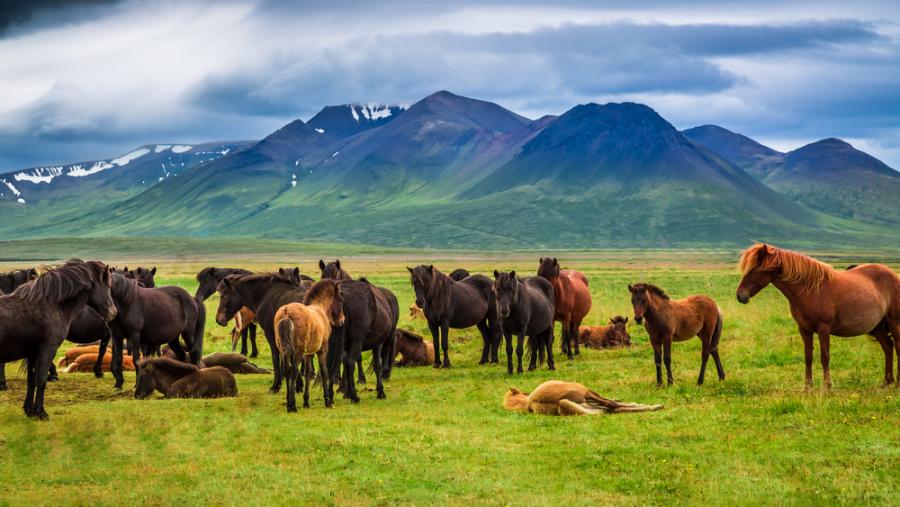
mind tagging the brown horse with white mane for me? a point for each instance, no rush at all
(666, 321)
(862, 300)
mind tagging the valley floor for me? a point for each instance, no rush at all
(442, 436)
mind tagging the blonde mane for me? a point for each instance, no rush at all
(796, 268)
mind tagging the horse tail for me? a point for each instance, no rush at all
(335, 356)
(535, 346)
(199, 330)
(717, 333)
(284, 338)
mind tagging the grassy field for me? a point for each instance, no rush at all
(442, 436)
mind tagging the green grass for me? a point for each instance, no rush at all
(442, 436)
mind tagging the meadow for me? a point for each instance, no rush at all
(442, 437)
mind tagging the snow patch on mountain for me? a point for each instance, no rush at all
(372, 112)
(181, 148)
(12, 187)
(77, 171)
(124, 159)
(161, 148)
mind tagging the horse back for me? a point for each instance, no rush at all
(574, 296)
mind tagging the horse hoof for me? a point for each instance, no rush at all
(117, 387)
(98, 374)
(551, 367)
(354, 400)
(274, 390)
(446, 365)
(291, 409)
(3, 386)
(381, 396)
(437, 365)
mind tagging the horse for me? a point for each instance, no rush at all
(371, 314)
(555, 397)
(862, 300)
(525, 307)
(154, 317)
(415, 312)
(143, 276)
(88, 362)
(263, 294)
(451, 304)
(302, 330)
(35, 319)
(334, 271)
(75, 352)
(667, 321)
(208, 279)
(413, 349)
(237, 363)
(614, 334)
(176, 379)
(243, 320)
(458, 274)
(572, 299)
(9, 281)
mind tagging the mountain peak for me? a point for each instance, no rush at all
(465, 111)
(346, 120)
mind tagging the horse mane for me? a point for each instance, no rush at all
(439, 291)
(326, 288)
(123, 288)
(257, 277)
(61, 283)
(649, 287)
(170, 364)
(795, 267)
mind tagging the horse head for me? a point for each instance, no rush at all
(506, 287)
(759, 266)
(548, 268)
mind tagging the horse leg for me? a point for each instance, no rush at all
(30, 366)
(719, 369)
(667, 358)
(496, 336)
(327, 389)
(435, 337)
(573, 332)
(52, 376)
(445, 343)
(704, 357)
(42, 368)
(887, 346)
(254, 351)
(134, 344)
(115, 365)
(98, 366)
(825, 353)
(563, 344)
(509, 351)
(307, 365)
(3, 386)
(520, 348)
(548, 343)
(360, 371)
(808, 356)
(487, 342)
(290, 374)
(276, 361)
(568, 338)
(379, 371)
(657, 358)
(244, 333)
(349, 364)
(895, 334)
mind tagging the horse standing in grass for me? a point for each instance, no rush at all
(334, 271)
(448, 303)
(303, 330)
(572, 298)
(861, 300)
(667, 321)
(35, 319)
(525, 307)
(208, 279)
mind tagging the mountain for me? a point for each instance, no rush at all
(740, 150)
(350, 119)
(456, 172)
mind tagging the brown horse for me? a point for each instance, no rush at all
(88, 362)
(572, 300)
(556, 397)
(862, 300)
(413, 349)
(301, 331)
(177, 379)
(668, 321)
(614, 334)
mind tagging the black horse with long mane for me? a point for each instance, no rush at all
(35, 319)
(525, 307)
(9, 281)
(448, 303)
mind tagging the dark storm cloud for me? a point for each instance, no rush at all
(15, 13)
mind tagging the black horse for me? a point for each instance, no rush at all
(525, 307)
(264, 294)
(10, 281)
(209, 278)
(333, 270)
(36, 317)
(370, 323)
(447, 303)
(152, 318)
(458, 274)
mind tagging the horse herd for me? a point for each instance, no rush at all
(337, 318)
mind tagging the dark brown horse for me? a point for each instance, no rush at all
(525, 308)
(413, 349)
(176, 379)
(35, 319)
(9, 281)
(208, 279)
(448, 303)
(334, 271)
(667, 321)
(862, 300)
(458, 274)
(572, 298)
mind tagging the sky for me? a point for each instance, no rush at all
(92, 79)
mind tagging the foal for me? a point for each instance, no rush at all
(303, 329)
(668, 321)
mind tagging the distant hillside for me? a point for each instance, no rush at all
(740, 150)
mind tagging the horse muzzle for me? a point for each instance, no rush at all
(639, 320)
(743, 297)
(221, 319)
(111, 313)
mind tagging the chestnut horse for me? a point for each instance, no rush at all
(668, 321)
(572, 300)
(862, 300)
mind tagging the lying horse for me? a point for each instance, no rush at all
(301, 331)
(571, 299)
(525, 307)
(413, 349)
(176, 379)
(668, 321)
(451, 304)
(861, 300)
(415, 312)
(75, 352)
(237, 363)
(614, 334)
(88, 362)
(555, 397)
(35, 319)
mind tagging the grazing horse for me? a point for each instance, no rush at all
(448, 303)
(263, 294)
(667, 321)
(208, 279)
(334, 271)
(555, 397)
(862, 300)
(302, 330)
(176, 379)
(154, 317)
(35, 319)
(614, 334)
(525, 307)
(9, 281)
(371, 314)
(572, 298)
(458, 274)
(413, 349)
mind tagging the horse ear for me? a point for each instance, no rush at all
(296, 273)
(555, 262)
(512, 274)
(226, 282)
(153, 270)
(769, 249)
(321, 264)
(513, 390)
(630, 288)
(496, 274)
(409, 269)
(626, 320)
(337, 263)
(541, 260)
(431, 268)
